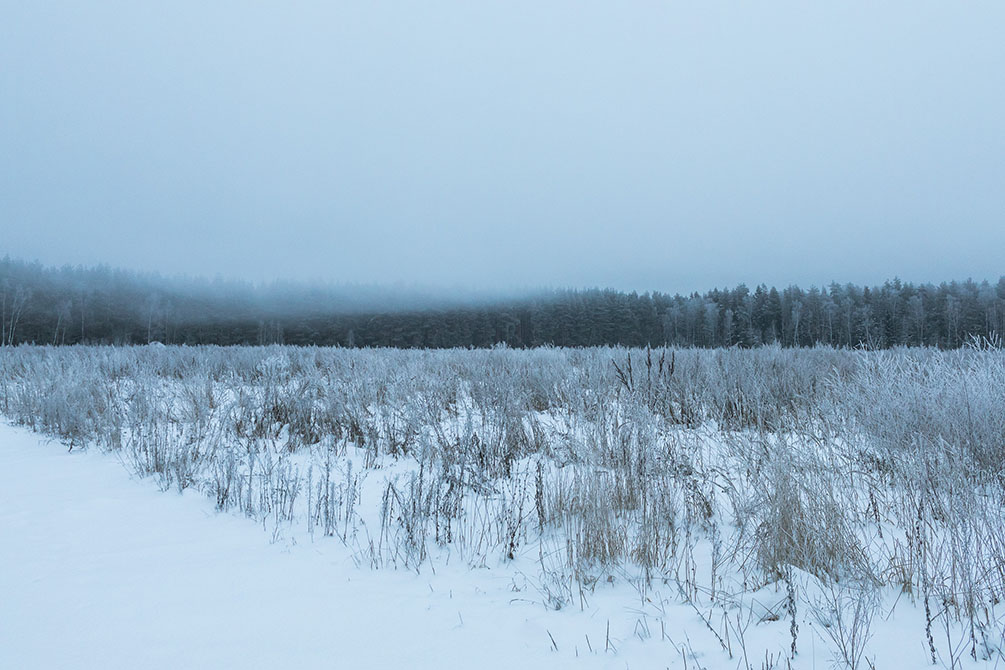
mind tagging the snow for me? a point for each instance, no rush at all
(102, 570)
(98, 570)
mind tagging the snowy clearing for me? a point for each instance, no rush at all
(99, 570)
(274, 507)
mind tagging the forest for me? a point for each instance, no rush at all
(102, 305)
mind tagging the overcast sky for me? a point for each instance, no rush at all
(640, 145)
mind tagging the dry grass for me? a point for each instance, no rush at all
(719, 471)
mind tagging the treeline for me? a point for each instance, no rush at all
(104, 306)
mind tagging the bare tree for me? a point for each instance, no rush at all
(62, 315)
(19, 297)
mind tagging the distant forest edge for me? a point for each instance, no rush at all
(104, 306)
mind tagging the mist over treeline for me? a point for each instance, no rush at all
(101, 305)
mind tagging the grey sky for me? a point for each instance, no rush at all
(642, 145)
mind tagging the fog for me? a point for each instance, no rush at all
(490, 145)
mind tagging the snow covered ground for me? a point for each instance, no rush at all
(756, 510)
(100, 570)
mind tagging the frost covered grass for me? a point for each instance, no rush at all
(793, 500)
